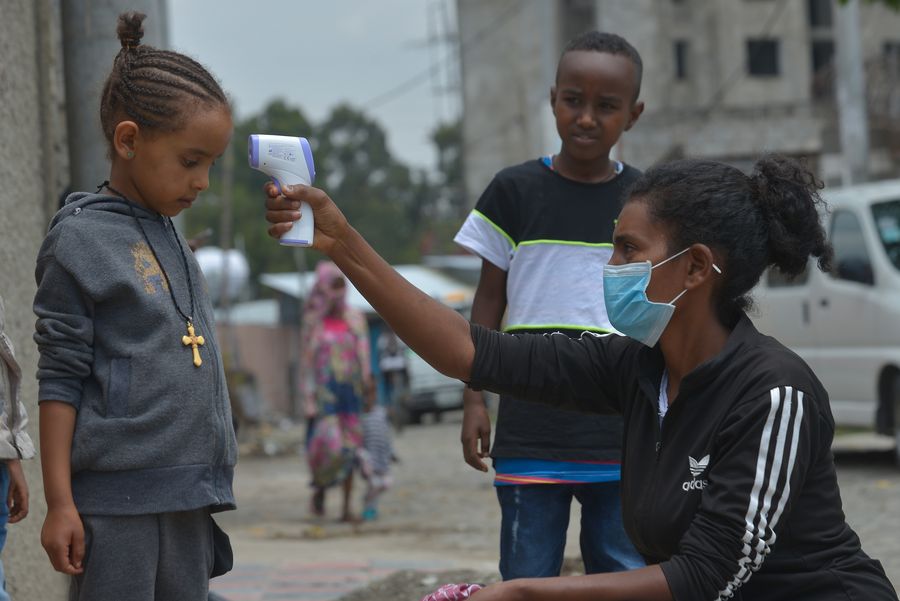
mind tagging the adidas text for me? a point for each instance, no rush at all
(694, 485)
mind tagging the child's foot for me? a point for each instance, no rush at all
(369, 514)
(317, 504)
(348, 518)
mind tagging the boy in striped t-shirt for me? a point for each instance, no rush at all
(544, 231)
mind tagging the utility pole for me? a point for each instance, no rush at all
(230, 349)
(296, 350)
(89, 47)
(851, 94)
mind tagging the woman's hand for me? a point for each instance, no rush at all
(63, 539)
(282, 210)
(511, 590)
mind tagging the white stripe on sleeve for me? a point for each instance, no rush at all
(759, 533)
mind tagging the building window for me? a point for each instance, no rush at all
(892, 57)
(762, 58)
(820, 14)
(822, 55)
(823, 69)
(578, 16)
(681, 59)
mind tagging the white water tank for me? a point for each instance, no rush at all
(217, 266)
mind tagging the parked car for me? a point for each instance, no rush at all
(430, 391)
(846, 324)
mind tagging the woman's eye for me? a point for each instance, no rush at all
(188, 163)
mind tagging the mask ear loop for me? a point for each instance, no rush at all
(672, 302)
(676, 255)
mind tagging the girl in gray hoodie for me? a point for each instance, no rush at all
(137, 442)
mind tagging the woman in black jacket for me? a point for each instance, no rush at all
(728, 481)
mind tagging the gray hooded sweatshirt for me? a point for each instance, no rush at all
(153, 432)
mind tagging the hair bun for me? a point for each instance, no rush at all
(787, 195)
(130, 29)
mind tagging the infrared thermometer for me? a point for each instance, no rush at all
(287, 160)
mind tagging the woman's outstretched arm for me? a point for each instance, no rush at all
(435, 332)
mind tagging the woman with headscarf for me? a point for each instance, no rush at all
(336, 378)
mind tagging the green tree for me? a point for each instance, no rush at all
(447, 139)
(249, 228)
(391, 204)
(380, 196)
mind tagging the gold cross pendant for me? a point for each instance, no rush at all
(192, 341)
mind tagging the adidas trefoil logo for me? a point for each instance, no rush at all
(697, 466)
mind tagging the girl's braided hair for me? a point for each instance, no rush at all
(157, 89)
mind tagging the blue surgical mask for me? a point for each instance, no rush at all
(627, 305)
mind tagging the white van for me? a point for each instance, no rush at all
(846, 324)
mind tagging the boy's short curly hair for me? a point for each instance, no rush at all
(608, 43)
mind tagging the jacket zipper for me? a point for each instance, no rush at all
(219, 421)
(643, 508)
(658, 426)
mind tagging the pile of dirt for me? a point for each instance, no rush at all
(411, 585)
(408, 585)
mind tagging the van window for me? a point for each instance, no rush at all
(851, 260)
(887, 220)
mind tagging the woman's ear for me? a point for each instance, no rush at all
(124, 138)
(702, 266)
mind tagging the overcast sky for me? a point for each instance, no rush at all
(317, 54)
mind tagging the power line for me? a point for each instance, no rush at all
(516, 119)
(424, 75)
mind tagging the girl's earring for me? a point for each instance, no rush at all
(130, 154)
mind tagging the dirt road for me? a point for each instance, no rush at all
(439, 518)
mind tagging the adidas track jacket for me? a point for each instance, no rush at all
(734, 492)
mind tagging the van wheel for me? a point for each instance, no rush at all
(888, 391)
(399, 417)
(413, 417)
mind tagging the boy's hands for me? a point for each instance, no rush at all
(282, 210)
(63, 539)
(17, 499)
(488, 307)
(476, 430)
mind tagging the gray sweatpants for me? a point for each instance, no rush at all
(157, 557)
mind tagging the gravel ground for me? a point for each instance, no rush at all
(441, 512)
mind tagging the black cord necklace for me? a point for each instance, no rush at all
(192, 340)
